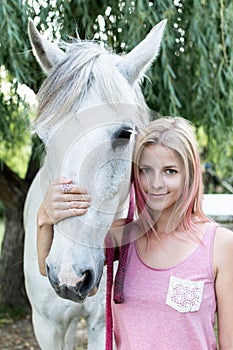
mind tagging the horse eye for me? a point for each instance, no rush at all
(121, 137)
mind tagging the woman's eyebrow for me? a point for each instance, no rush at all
(171, 166)
(143, 164)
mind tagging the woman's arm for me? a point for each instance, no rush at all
(44, 238)
(57, 205)
(223, 261)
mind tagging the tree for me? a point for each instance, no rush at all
(190, 78)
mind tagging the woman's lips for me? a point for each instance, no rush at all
(157, 195)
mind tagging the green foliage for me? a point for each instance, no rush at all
(14, 126)
(13, 39)
(9, 315)
(192, 76)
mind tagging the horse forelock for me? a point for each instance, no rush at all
(86, 64)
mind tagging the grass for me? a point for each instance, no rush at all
(8, 315)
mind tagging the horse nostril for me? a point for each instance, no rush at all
(87, 282)
(52, 278)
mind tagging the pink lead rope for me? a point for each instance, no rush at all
(119, 279)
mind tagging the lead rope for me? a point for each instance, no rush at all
(119, 279)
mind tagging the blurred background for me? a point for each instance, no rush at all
(192, 78)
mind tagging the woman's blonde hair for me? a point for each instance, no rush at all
(178, 135)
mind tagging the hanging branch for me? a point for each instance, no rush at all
(222, 32)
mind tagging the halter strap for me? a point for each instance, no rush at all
(119, 279)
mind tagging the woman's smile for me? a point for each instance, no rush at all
(158, 195)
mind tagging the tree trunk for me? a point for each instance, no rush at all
(12, 292)
(13, 192)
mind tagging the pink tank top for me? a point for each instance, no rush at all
(168, 309)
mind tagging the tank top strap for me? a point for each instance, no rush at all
(209, 234)
(133, 235)
(208, 243)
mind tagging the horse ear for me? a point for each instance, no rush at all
(47, 54)
(136, 62)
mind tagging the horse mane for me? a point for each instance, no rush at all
(86, 64)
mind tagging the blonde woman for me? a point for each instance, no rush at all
(179, 267)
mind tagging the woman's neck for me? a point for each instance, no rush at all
(162, 221)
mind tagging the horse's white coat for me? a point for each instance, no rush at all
(79, 136)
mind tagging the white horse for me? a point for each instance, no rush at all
(88, 110)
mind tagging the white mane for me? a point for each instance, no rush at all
(86, 65)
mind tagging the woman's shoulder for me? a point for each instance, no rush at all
(223, 248)
(120, 227)
(224, 236)
(221, 232)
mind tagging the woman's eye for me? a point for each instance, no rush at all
(170, 171)
(145, 170)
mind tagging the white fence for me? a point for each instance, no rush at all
(220, 208)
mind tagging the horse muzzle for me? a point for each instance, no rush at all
(86, 286)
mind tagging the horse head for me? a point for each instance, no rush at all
(89, 109)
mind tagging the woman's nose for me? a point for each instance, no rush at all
(157, 180)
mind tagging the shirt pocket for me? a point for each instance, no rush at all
(184, 295)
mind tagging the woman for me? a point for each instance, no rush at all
(179, 266)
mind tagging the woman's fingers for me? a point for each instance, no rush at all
(60, 215)
(71, 188)
(79, 205)
(76, 198)
(70, 205)
(66, 186)
(73, 212)
(64, 199)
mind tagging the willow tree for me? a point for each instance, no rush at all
(192, 77)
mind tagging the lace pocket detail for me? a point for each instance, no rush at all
(184, 295)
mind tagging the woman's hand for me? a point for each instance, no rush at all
(62, 200)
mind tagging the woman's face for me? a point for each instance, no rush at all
(161, 175)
